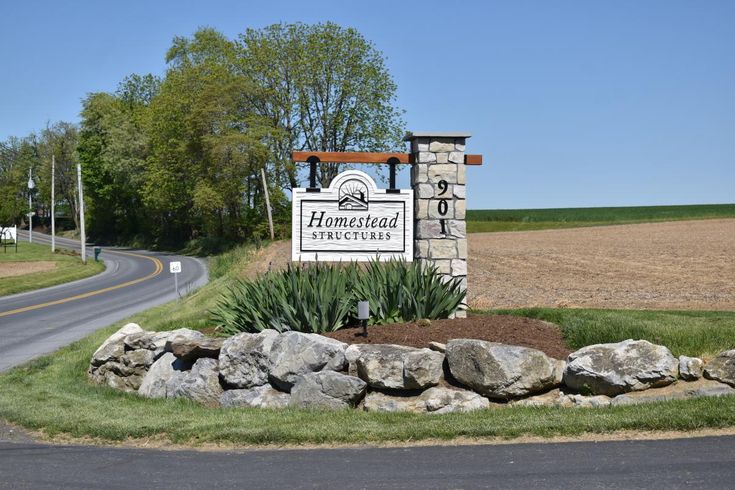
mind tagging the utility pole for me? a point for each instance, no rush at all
(53, 203)
(267, 203)
(81, 214)
(31, 185)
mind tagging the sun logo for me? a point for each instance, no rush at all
(353, 196)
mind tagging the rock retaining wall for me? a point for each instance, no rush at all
(276, 370)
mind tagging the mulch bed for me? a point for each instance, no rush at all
(506, 329)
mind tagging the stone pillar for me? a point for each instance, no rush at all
(438, 181)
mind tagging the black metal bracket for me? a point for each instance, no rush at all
(392, 162)
(312, 161)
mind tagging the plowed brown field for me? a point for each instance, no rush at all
(673, 265)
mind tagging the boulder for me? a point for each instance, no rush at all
(118, 376)
(446, 400)
(438, 346)
(435, 400)
(140, 340)
(380, 402)
(722, 367)
(182, 336)
(558, 398)
(200, 384)
(244, 360)
(327, 389)
(259, 397)
(352, 353)
(690, 368)
(191, 349)
(613, 369)
(126, 372)
(500, 371)
(138, 360)
(397, 367)
(422, 368)
(155, 341)
(114, 346)
(591, 401)
(154, 384)
(381, 366)
(676, 391)
(296, 353)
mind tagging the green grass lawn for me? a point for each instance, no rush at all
(691, 333)
(69, 267)
(53, 394)
(490, 220)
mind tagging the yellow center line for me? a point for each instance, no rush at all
(159, 268)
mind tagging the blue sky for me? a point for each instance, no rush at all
(571, 103)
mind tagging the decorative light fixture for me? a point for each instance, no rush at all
(363, 314)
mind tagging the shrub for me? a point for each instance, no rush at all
(404, 291)
(322, 297)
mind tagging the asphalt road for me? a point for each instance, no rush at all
(683, 463)
(39, 322)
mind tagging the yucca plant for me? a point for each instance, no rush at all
(382, 285)
(312, 299)
(322, 297)
(430, 295)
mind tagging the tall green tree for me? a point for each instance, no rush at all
(16, 156)
(59, 140)
(206, 144)
(113, 149)
(325, 88)
(180, 158)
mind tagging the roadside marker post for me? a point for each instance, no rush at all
(31, 186)
(175, 269)
(53, 203)
(83, 237)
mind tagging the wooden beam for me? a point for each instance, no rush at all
(348, 157)
(473, 159)
(366, 157)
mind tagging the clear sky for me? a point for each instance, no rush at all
(571, 103)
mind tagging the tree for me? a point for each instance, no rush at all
(113, 149)
(13, 180)
(325, 87)
(206, 144)
(60, 140)
(180, 158)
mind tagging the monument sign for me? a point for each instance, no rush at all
(352, 220)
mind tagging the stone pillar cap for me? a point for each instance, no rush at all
(436, 134)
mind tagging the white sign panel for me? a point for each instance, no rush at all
(174, 267)
(8, 233)
(352, 220)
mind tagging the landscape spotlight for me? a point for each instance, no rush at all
(363, 313)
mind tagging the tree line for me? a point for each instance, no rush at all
(19, 155)
(175, 158)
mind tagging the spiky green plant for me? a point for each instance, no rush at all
(321, 298)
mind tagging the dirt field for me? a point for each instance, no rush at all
(674, 265)
(678, 265)
(12, 269)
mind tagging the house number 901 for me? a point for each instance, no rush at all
(443, 205)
